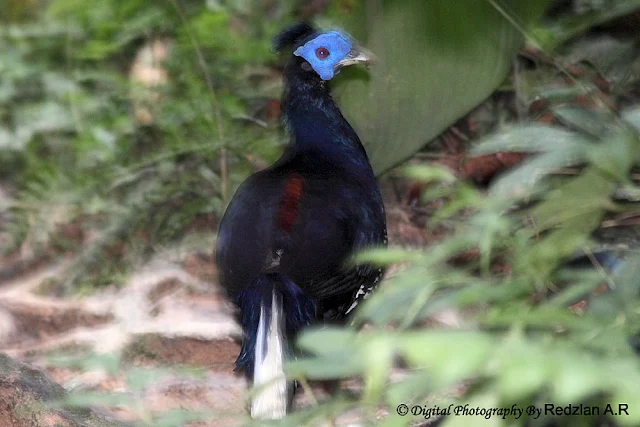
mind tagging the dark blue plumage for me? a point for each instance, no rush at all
(286, 238)
(301, 310)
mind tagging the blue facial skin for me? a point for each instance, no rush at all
(336, 44)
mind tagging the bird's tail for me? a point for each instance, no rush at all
(273, 310)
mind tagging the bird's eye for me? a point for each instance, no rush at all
(322, 53)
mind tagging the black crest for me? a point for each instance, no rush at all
(293, 36)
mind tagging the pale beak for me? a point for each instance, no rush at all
(357, 55)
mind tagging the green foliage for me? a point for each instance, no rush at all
(510, 349)
(91, 138)
(438, 60)
(585, 14)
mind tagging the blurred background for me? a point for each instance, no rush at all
(505, 136)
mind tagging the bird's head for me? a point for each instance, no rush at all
(323, 52)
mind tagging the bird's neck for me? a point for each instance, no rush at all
(314, 120)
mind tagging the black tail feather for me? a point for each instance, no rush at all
(299, 311)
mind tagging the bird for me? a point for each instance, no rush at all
(286, 240)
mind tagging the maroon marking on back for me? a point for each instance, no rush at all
(290, 202)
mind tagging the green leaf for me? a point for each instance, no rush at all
(430, 173)
(632, 116)
(10, 141)
(436, 61)
(594, 123)
(522, 181)
(387, 256)
(612, 57)
(630, 398)
(410, 390)
(378, 360)
(529, 139)
(541, 317)
(521, 371)
(577, 377)
(326, 340)
(448, 356)
(401, 291)
(571, 294)
(327, 366)
(580, 202)
(617, 154)
(45, 117)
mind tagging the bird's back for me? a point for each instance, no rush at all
(311, 214)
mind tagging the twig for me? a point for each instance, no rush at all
(308, 390)
(517, 85)
(624, 222)
(603, 272)
(254, 120)
(458, 133)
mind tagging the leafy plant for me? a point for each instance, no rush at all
(438, 60)
(129, 162)
(509, 348)
(137, 381)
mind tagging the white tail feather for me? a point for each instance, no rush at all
(272, 398)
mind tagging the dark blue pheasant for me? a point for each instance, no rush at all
(286, 238)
